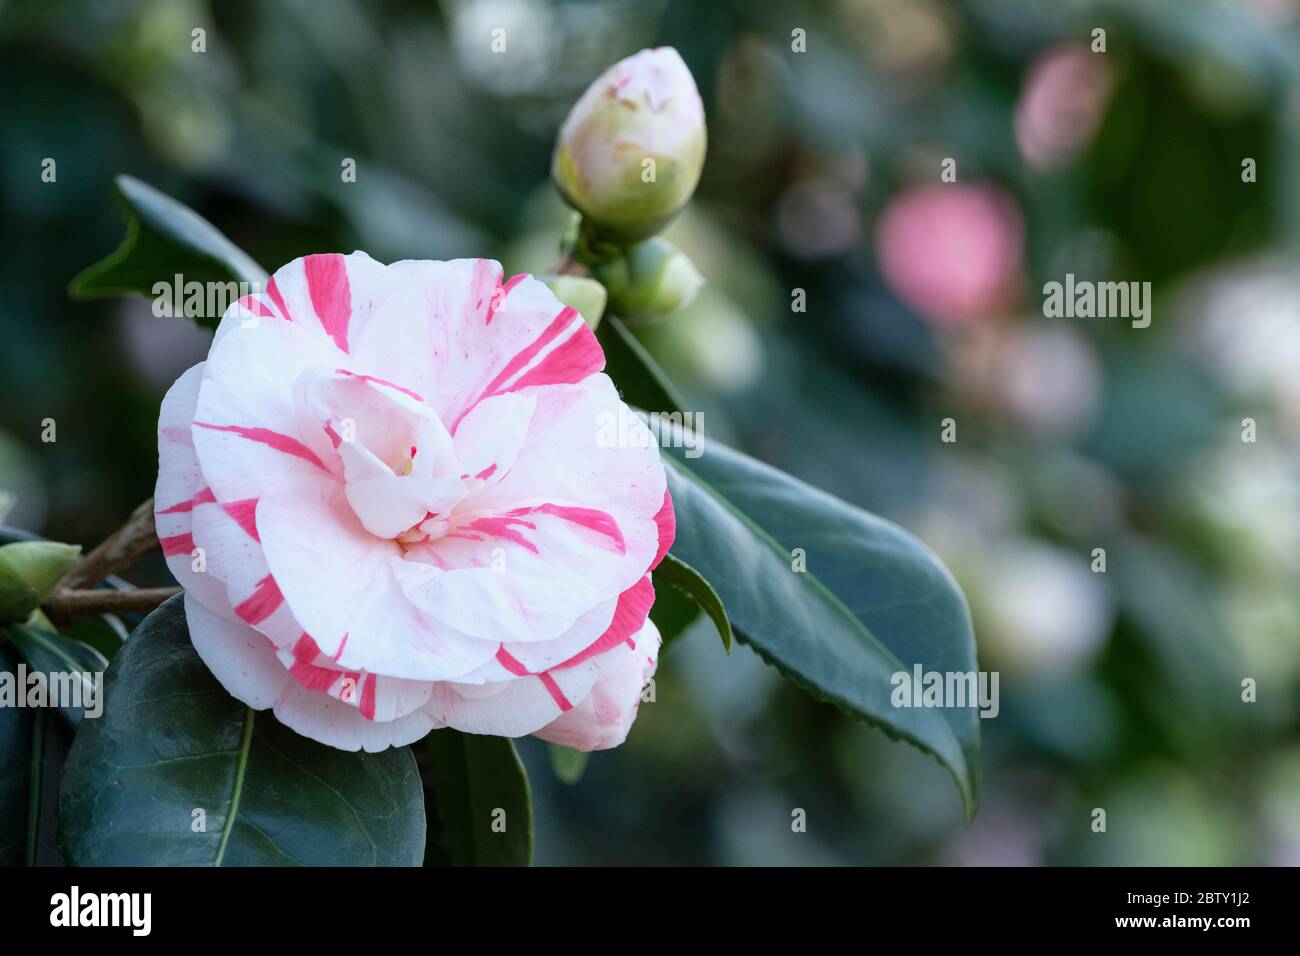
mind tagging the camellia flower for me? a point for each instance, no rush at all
(385, 496)
(630, 152)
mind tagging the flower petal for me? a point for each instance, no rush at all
(604, 717)
(340, 581)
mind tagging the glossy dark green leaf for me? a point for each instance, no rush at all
(69, 666)
(673, 612)
(871, 601)
(177, 772)
(567, 763)
(15, 772)
(164, 238)
(676, 572)
(639, 379)
(33, 746)
(481, 800)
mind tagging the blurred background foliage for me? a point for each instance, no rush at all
(1119, 690)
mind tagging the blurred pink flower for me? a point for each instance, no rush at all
(951, 252)
(1061, 104)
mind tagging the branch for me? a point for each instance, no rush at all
(569, 266)
(76, 596)
(65, 604)
(118, 551)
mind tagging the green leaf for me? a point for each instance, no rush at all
(639, 379)
(69, 666)
(673, 612)
(164, 238)
(872, 601)
(172, 742)
(16, 771)
(673, 570)
(568, 763)
(32, 750)
(480, 799)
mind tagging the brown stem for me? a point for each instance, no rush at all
(65, 604)
(118, 551)
(569, 266)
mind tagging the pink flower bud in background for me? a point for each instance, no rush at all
(951, 252)
(630, 152)
(1062, 104)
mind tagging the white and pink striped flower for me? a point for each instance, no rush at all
(390, 479)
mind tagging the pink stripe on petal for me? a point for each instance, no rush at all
(382, 381)
(263, 602)
(244, 512)
(273, 291)
(331, 294)
(591, 518)
(629, 617)
(501, 528)
(204, 497)
(368, 697)
(436, 558)
(305, 671)
(312, 677)
(502, 291)
(562, 321)
(342, 644)
(305, 648)
(553, 688)
(177, 544)
(577, 358)
(511, 663)
(272, 439)
(254, 305)
(666, 519)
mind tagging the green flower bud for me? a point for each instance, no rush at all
(29, 570)
(630, 153)
(653, 278)
(586, 295)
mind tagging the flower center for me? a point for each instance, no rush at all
(401, 474)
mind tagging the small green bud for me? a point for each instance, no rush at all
(29, 571)
(630, 153)
(577, 292)
(653, 278)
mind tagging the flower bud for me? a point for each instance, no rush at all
(29, 571)
(653, 278)
(630, 153)
(577, 292)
